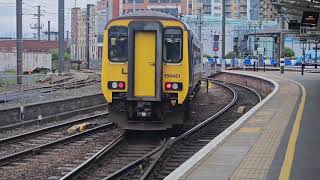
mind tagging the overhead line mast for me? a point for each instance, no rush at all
(19, 40)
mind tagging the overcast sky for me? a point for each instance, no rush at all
(49, 11)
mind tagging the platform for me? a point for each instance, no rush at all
(280, 140)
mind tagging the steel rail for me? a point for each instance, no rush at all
(161, 149)
(245, 87)
(194, 129)
(74, 173)
(36, 150)
(46, 118)
(32, 133)
(122, 170)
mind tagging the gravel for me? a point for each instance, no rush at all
(169, 159)
(54, 163)
(42, 138)
(207, 104)
(33, 127)
(36, 97)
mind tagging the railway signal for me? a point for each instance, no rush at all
(216, 37)
(216, 43)
(235, 45)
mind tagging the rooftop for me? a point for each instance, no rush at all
(9, 46)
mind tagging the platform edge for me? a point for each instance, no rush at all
(186, 168)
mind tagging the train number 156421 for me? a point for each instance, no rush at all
(172, 75)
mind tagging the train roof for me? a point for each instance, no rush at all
(149, 14)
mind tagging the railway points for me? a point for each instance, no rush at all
(168, 99)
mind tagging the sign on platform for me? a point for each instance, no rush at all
(260, 50)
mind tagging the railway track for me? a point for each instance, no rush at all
(130, 155)
(29, 143)
(26, 125)
(123, 152)
(54, 161)
(162, 162)
(185, 146)
(14, 95)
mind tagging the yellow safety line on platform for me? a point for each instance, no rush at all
(287, 163)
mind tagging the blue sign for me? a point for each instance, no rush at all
(211, 60)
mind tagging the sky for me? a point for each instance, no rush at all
(49, 9)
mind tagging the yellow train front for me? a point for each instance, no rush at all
(151, 69)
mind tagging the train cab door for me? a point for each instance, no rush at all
(145, 61)
(144, 64)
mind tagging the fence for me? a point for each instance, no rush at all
(39, 88)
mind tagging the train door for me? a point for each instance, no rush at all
(144, 64)
(145, 61)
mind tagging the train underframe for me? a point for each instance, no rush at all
(147, 115)
(144, 115)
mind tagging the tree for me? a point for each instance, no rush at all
(55, 55)
(231, 55)
(288, 52)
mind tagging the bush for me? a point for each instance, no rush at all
(288, 52)
(55, 55)
(231, 55)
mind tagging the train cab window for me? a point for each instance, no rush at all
(172, 45)
(118, 44)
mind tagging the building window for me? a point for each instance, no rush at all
(153, 1)
(136, 1)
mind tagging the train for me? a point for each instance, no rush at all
(151, 70)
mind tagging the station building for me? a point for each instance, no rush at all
(211, 26)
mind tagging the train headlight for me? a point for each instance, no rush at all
(173, 86)
(116, 85)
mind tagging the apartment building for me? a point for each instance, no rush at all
(267, 11)
(173, 7)
(79, 31)
(262, 10)
(239, 9)
(234, 8)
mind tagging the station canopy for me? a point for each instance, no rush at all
(293, 9)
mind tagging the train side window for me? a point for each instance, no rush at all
(196, 54)
(172, 45)
(118, 44)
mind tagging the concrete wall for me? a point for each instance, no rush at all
(45, 109)
(8, 61)
(261, 85)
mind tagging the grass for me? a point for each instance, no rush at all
(10, 72)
